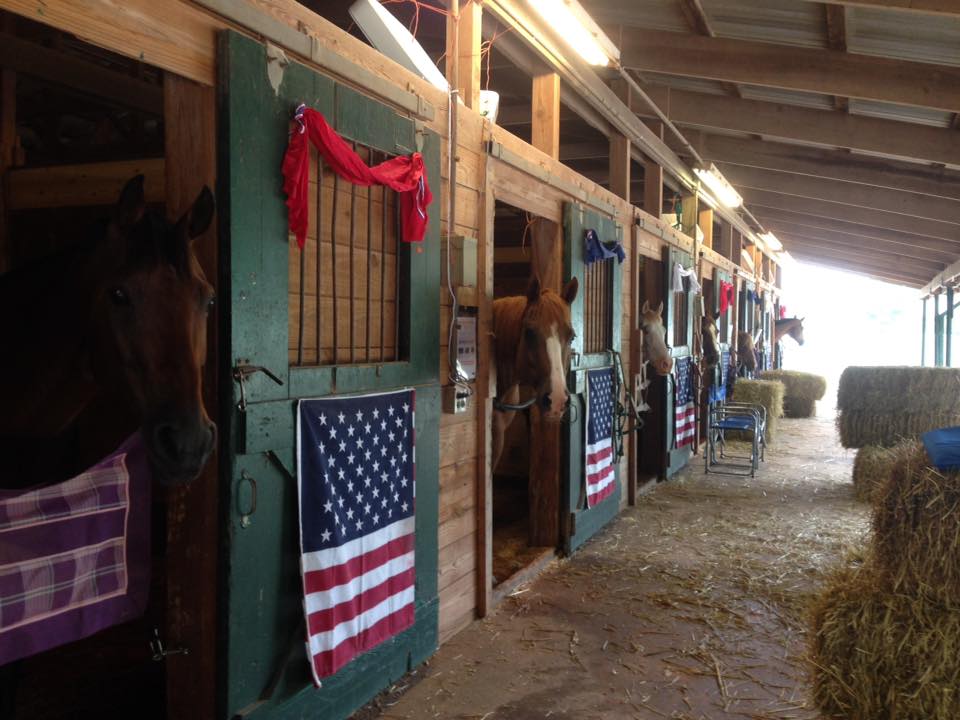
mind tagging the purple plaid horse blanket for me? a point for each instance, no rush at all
(75, 556)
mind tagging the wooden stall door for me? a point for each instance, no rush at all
(678, 319)
(265, 672)
(596, 315)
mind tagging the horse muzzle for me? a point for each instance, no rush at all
(553, 412)
(179, 450)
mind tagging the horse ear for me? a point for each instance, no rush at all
(569, 293)
(660, 308)
(533, 289)
(646, 307)
(200, 214)
(132, 203)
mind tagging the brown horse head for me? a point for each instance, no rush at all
(148, 340)
(746, 351)
(711, 343)
(654, 339)
(543, 355)
(792, 327)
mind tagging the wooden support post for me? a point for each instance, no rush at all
(463, 50)
(545, 98)
(690, 215)
(192, 530)
(620, 149)
(923, 334)
(486, 389)
(705, 220)
(653, 179)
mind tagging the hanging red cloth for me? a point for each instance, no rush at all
(726, 295)
(406, 175)
(783, 311)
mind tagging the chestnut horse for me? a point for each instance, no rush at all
(118, 320)
(532, 335)
(747, 350)
(789, 326)
(655, 349)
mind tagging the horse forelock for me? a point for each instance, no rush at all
(549, 310)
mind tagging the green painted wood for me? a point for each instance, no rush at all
(586, 521)
(261, 593)
(677, 459)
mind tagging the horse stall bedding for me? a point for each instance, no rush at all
(768, 393)
(886, 634)
(802, 390)
(882, 405)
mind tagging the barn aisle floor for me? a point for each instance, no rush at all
(690, 605)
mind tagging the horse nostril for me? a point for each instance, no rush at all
(165, 440)
(545, 401)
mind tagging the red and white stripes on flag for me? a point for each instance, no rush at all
(599, 461)
(356, 462)
(684, 403)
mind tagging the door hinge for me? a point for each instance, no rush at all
(240, 375)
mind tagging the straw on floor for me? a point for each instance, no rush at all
(768, 393)
(802, 390)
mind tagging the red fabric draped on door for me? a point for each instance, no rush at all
(726, 295)
(406, 175)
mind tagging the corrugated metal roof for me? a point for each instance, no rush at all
(778, 21)
(709, 87)
(788, 97)
(903, 113)
(909, 36)
(654, 14)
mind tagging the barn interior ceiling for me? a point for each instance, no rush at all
(836, 121)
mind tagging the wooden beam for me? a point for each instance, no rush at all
(889, 138)
(698, 21)
(836, 18)
(463, 60)
(830, 72)
(947, 252)
(171, 35)
(620, 150)
(32, 59)
(705, 221)
(545, 114)
(903, 203)
(653, 178)
(82, 185)
(192, 554)
(829, 164)
(850, 213)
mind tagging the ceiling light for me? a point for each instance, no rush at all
(771, 241)
(574, 24)
(723, 190)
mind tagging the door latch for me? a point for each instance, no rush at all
(159, 652)
(242, 372)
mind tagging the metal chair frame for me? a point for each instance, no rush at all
(745, 417)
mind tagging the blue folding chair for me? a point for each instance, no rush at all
(744, 417)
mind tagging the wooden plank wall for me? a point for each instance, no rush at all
(179, 36)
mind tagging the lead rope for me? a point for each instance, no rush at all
(627, 418)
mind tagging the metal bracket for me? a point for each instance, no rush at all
(159, 652)
(242, 372)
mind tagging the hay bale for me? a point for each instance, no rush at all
(916, 524)
(879, 655)
(768, 393)
(802, 390)
(883, 405)
(871, 468)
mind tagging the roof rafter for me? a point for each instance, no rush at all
(830, 72)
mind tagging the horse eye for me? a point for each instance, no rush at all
(211, 302)
(119, 296)
(530, 335)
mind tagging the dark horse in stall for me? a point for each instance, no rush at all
(789, 326)
(118, 320)
(115, 322)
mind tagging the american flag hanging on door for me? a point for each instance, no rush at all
(684, 406)
(601, 479)
(355, 460)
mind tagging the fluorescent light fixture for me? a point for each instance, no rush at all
(574, 24)
(771, 241)
(723, 190)
(391, 38)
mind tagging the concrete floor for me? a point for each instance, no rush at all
(690, 605)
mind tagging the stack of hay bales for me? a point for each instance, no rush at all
(768, 393)
(886, 635)
(802, 391)
(882, 405)
(877, 407)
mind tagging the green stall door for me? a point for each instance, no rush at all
(264, 667)
(600, 297)
(678, 320)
